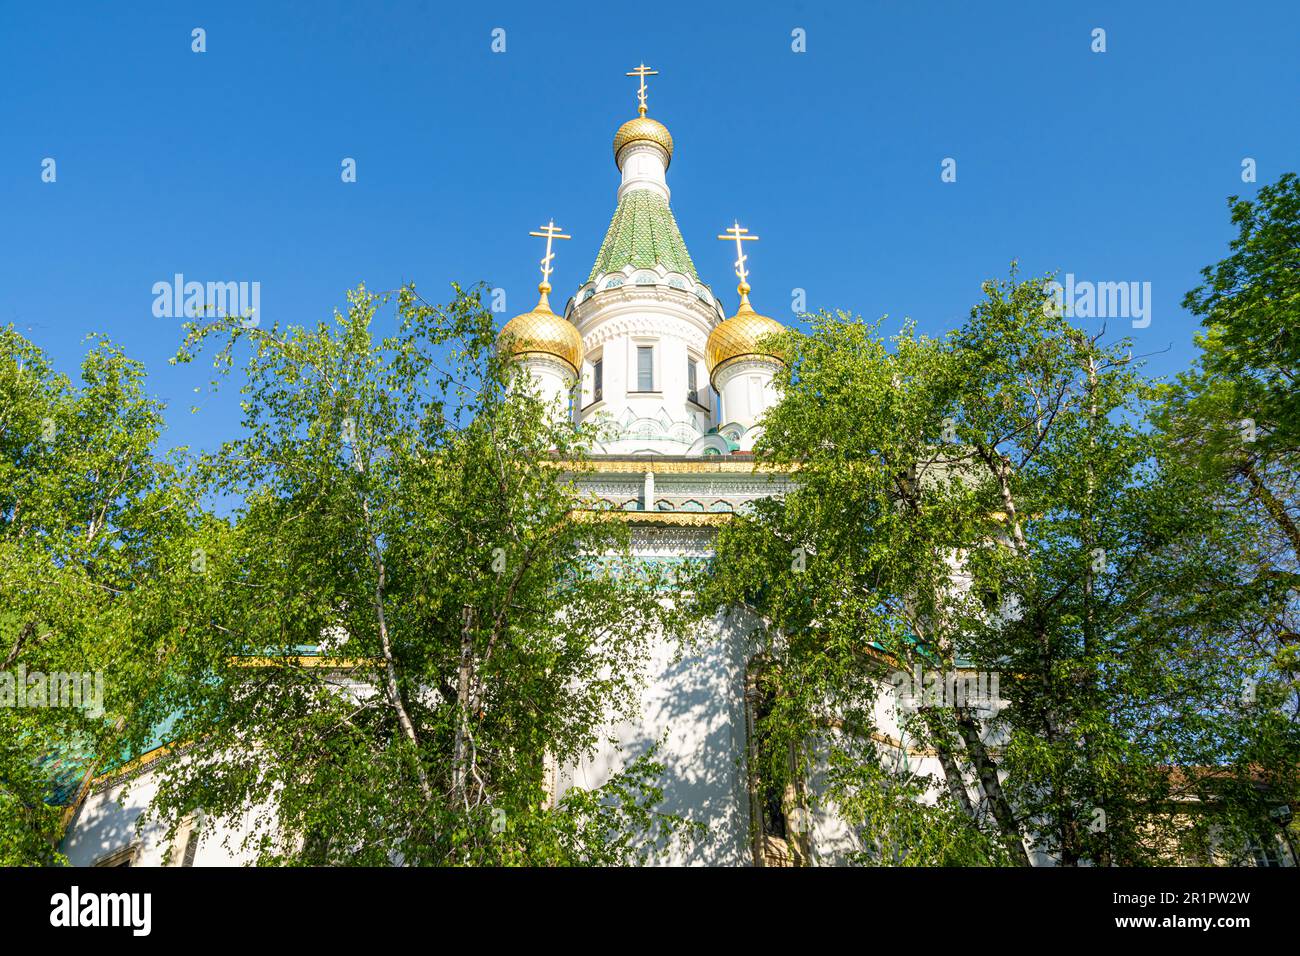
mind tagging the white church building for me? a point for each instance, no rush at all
(677, 387)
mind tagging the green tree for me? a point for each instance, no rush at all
(87, 516)
(994, 499)
(401, 511)
(1250, 310)
(846, 572)
(1232, 418)
(1117, 583)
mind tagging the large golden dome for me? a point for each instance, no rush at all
(543, 332)
(644, 130)
(739, 336)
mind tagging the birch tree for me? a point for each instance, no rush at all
(997, 499)
(401, 516)
(90, 517)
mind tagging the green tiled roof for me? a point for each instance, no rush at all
(644, 234)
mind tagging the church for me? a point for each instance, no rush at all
(676, 389)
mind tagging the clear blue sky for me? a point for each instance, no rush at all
(225, 165)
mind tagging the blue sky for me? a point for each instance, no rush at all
(225, 165)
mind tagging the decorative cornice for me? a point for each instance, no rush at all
(692, 466)
(689, 541)
(622, 311)
(561, 367)
(688, 519)
(320, 663)
(741, 364)
(681, 519)
(643, 325)
(134, 767)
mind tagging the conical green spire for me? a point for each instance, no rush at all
(644, 234)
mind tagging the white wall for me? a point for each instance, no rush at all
(110, 820)
(747, 391)
(553, 381)
(698, 700)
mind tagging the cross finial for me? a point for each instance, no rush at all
(739, 234)
(549, 232)
(642, 71)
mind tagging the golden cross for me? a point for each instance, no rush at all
(739, 234)
(549, 231)
(642, 71)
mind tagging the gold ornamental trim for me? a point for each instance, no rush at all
(678, 519)
(312, 662)
(694, 466)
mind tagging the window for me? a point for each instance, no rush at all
(598, 380)
(122, 857)
(645, 368)
(186, 845)
(1266, 850)
(191, 847)
(776, 797)
(692, 374)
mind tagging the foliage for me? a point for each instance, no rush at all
(87, 517)
(997, 500)
(404, 517)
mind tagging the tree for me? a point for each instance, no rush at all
(1116, 582)
(1235, 415)
(1250, 310)
(844, 572)
(1232, 420)
(87, 515)
(401, 514)
(994, 499)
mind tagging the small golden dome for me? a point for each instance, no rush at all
(643, 130)
(543, 332)
(738, 337)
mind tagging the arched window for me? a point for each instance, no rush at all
(775, 797)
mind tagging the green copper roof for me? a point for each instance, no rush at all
(644, 234)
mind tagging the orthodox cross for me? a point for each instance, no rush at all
(642, 71)
(549, 232)
(740, 235)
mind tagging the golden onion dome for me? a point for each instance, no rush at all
(739, 337)
(542, 332)
(643, 130)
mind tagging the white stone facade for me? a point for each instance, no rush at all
(667, 314)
